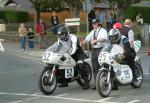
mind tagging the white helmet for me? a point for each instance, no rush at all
(114, 35)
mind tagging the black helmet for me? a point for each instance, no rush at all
(114, 35)
(94, 21)
(62, 33)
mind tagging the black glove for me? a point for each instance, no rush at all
(119, 58)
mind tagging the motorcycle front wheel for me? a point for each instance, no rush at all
(46, 86)
(103, 88)
(137, 83)
(88, 70)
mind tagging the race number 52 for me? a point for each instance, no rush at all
(46, 56)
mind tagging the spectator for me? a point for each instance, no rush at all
(41, 33)
(30, 38)
(113, 17)
(91, 16)
(128, 32)
(139, 19)
(108, 20)
(97, 38)
(22, 35)
(100, 17)
(54, 23)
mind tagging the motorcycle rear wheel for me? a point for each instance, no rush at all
(87, 67)
(102, 87)
(137, 83)
(45, 85)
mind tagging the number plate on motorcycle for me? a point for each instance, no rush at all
(46, 56)
(69, 72)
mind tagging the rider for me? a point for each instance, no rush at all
(129, 54)
(126, 30)
(71, 42)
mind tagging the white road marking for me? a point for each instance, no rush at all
(24, 100)
(147, 73)
(38, 96)
(104, 100)
(62, 95)
(133, 101)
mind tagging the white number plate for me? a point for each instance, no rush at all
(69, 72)
(103, 57)
(46, 56)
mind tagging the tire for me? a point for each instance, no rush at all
(102, 88)
(138, 83)
(87, 67)
(46, 86)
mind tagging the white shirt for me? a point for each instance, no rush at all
(130, 34)
(100, 33)
(70, 44)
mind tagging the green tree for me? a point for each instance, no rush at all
(45, 5)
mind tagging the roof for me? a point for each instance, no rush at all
(16, 5)
(142, 4)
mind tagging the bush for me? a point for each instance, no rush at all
(14, 16)
(133, 11)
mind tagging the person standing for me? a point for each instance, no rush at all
(108, 19)
(30, 38)
(101, 17)
(91, 16)
(22, 35)
(40, 29)
(54, 23)
(97, 38)
(127, 31)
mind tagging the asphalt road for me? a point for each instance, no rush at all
(19, 74)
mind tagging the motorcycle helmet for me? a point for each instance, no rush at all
(114, 36)
(117, 25)
(62, 33)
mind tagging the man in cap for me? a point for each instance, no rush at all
(97, 38)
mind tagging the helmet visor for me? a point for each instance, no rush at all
(113, 39)
(62, 36)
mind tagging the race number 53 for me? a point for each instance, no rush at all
(69, 72)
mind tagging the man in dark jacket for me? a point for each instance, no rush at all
(54, 23)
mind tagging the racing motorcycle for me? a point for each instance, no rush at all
(61, 67)
(111, 71)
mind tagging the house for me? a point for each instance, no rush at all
(16, 5)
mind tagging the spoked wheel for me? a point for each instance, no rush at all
(138, 82)
(103, 88)
(46, 85)
(88, 70)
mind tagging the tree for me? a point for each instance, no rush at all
(121, 4)
(45, 5)
(75, 7)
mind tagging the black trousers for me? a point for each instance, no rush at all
(94, 59)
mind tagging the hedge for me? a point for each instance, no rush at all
(14, 16)
(133, 11)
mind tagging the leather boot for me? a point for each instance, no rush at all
(86, 85)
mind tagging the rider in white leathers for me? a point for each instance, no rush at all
(71, 43)
(129, 54)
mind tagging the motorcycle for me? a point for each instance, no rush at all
(111, 71)
(61, 67)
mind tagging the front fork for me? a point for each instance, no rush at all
(108, 76)
(53, 73)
